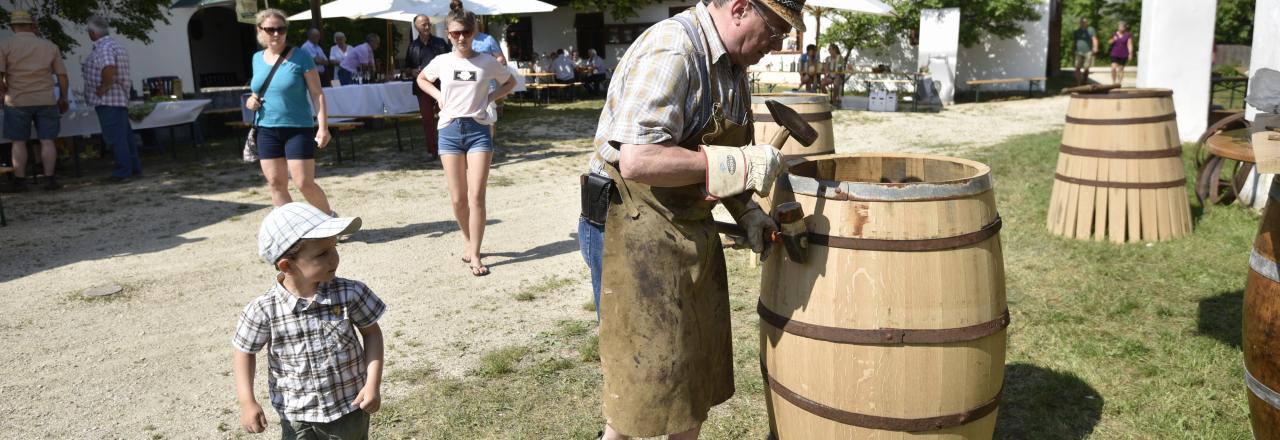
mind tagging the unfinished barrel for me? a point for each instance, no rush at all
(894, 327)
(1120, 174)
(812, 107)
(1261, 323)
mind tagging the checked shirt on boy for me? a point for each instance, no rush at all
(316, 359)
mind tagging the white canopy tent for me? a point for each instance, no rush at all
(874, 7)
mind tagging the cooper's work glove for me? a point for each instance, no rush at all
(735, 170)
(759, 226)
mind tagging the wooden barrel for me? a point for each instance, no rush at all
(1120, 172)
(1261, 323)
(813, 107)
(894, 328)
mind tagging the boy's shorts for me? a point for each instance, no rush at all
(353, 426)
(1084, 59)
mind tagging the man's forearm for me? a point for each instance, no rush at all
(62, 86)
(662, 165)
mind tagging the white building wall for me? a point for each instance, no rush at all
(168, 54)
(554, 30)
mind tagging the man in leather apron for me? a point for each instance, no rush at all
(674, 137)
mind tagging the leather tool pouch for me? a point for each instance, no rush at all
(596, 192)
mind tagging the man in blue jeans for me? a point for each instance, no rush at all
(107, 85)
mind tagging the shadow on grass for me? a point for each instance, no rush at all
(430, 229)
(1040, 403)
(1220, 317)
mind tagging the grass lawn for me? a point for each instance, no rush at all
(1111, 342)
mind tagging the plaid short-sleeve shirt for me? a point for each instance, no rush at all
(316, 361)
(656, 88)
(107, 52)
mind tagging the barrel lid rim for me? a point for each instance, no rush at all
(1126, 93)
(978, 183)
(788, 98)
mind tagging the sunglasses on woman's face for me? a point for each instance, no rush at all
(459, 34)
(274, 30)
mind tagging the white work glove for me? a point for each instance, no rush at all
(735, 170)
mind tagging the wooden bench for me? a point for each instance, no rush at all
(977, 84)
(3, 221)
(339, 127)
(395, 121)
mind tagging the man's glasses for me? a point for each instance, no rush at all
(274, 30)
(459, 34)
(774, 35)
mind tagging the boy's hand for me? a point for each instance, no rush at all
(369, 399)
(251, 418)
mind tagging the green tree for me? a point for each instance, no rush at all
(1235, 22)
(133, 19)
(979, 19)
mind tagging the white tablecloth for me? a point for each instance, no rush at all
(361, 100)
(83, 120)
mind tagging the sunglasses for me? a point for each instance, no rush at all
(460, 34)
(274, 30)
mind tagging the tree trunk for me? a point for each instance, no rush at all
(315, 15)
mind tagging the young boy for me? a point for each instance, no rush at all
(323, 382)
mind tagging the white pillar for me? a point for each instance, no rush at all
(939, 42)
(1175, 52)
(1266, 42)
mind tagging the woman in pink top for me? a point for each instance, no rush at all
(466, 113)
(1121, 50)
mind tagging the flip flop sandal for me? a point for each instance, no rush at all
(479, 271)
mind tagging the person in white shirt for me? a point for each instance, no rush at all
(466, 113)
(597, 73)
(338, 52)
(312, 46)
(563, 67)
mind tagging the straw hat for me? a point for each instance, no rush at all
(790, 10)
(20, 17)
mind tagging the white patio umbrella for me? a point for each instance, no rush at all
(405, 10)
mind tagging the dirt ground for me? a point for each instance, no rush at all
(154, 361)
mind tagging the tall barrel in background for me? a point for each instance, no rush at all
(1262, 323)
(812, 107)
(894, 328)
(1120, 172)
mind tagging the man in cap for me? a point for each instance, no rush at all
(106, 88)
(673, 139)
(27, 66)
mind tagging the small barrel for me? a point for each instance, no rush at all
(1261, 323)
(812, 107)
(1120, 173)
(894, 327)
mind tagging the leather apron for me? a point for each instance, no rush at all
(665, 339)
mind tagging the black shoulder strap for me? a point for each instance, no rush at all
(288, 50)
(704, 106)
(263, 88)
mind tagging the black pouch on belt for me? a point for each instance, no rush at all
(596, 191)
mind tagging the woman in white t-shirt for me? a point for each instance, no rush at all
(466, 112)
(338, 52)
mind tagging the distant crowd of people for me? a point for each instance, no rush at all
(569, 67)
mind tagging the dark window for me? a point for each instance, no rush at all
(520, 39)
(591, 32)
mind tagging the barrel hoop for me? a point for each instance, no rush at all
(882, 336)
(1113, 154)
(1264, 266)
(880, 422)
(1262, 391)
(879, 192)
(808, 117)
(1125, 121)
(1123, 185)
(1124, 95)
(919, 245)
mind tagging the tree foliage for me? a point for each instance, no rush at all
(1234, 21)
(133, 19)
(979, 19)
(619, 9)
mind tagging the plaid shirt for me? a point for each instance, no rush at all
(656, 88)
(106, 52)
(316, 361)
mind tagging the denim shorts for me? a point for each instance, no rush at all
(292, 143)
(17, 122)
(465, 136)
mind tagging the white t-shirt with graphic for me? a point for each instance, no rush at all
(464, 83)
